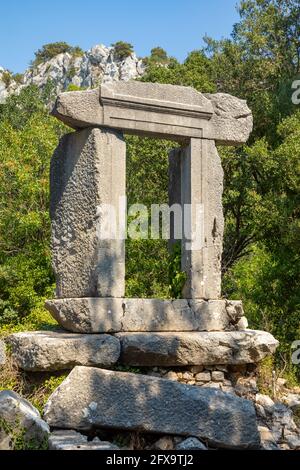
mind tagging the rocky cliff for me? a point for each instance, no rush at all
(99, 64)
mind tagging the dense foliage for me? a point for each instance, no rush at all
(261, 195)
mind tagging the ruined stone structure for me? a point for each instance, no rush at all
(88, 169)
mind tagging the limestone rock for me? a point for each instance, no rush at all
(108, 315)
(267, 439)
(293, 441)
(217, 376)
(19, 418)
(214, 347)
(57, 350)
(97, 65)
(87, 171)
(203, 377)
(191, 443)
(72, 440)
(232, 120)
(265, 401)
(292, 400)
(2, 353)
(91, 398)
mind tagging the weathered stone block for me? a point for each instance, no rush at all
(159, 110)
(87, 171)
(197, 170)
(18, 418)
(108, 315)
(91, 398)
(174, 349)
(57, 350)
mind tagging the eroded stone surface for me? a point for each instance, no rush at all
(87, 171)
(58, 350)
(232, 120)
(96, 315)
(91, 398)
(172, 349)
(19, 418)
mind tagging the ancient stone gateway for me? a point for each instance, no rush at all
(199, 330)
(88, 169)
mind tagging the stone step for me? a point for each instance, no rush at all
(196, 348)
(58, 350)
(92, 398)
(112, 315)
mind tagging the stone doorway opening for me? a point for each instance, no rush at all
(147, 264)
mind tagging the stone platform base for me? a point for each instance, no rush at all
(57, 350)
(112, 315)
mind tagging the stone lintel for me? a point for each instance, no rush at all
(109, 315)
(158, 110)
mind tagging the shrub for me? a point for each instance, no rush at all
(48, 51)
(6, 78)
(122, 49)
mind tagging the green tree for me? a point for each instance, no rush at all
(28, 136)
(122, 49)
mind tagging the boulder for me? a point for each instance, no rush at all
(20, 420)
(92, 398)
(72, 440)
(108, 315)
(214, 347)
(58, 350)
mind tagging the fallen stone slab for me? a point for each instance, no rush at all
(58, 350)
(90, 398)
(196, 348)
(72, 440)
(2, 353)
(20, 420)
(108, 315)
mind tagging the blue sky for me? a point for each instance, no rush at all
(176, 25)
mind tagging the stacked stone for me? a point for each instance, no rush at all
(101, 327)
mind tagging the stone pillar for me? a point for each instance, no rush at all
(196, 170)
(87, 170)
